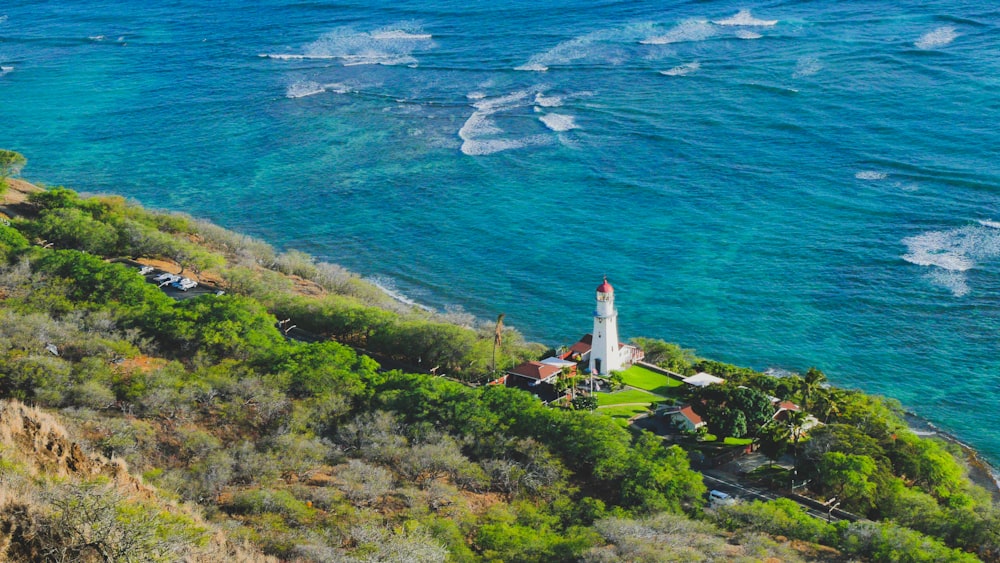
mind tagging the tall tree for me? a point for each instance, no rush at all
(497, 339)
(773, 440)
(811, 383)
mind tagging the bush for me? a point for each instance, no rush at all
(779, 517)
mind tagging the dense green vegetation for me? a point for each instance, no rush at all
(312, 449)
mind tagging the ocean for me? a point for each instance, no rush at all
(776, 184)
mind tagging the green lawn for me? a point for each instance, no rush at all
(643, 378)
(624, 413)
(627, 396)
(728, 441)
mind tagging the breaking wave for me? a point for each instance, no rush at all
(479, 130)
(5, 69)
(399, 34)
(309, 88)
(745, 18)
(682, 70)
(544, 101)
(533, 67)
(386, 46)
(599, 47)
(953, 253)
(688, 30)
(937, 38)
(870, 175)
(747, 34)
(559, 122)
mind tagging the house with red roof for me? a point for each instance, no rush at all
(684, 417)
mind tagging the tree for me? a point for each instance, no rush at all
(11, 164)
(666, 355)
(732, 411)
(827, 404)
(850, 478)
(811, 383)
(773, 440)
(796, 422)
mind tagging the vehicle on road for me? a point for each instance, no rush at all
(718, 498)
(184, 284)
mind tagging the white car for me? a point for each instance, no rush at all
(185, 284)
(719, 498)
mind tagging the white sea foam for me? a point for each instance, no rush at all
(479, 130)
(303, 89)
(532, 67)
(870, 175)
(475, 95)
(378, 59)
(947, 250)
(682, 70)
(604, 46)
(385, 46)
(937, 38)
(388, 286)
(955, 282)
(5, 69)
(559, 122)
(400, 34)
(307, 88)
(747, 34)
(482, 148)
(745, 18)
(97, 38)
(807, 66)
(544, 101)
(990, 223)
(294, 57)
(953, 253)
(688, 30)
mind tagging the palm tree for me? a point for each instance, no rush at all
(827, 404)
(795, 423)
(497, 340)
(772, 441)
(811, 382)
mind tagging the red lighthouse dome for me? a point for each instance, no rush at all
(605, 287)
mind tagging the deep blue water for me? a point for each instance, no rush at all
(814, 185)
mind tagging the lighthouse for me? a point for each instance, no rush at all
(605, 352)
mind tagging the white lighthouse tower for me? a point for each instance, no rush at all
(605, 353)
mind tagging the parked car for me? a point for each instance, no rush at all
(185, 284)
(719, 498)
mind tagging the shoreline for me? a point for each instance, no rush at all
(981, 471)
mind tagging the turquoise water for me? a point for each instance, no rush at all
(776, 184)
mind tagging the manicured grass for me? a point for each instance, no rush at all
(642, 378)
(627, 396)
(623, 412)
(728, 441)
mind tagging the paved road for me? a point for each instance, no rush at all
(716, 481)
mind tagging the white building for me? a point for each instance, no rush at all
(605, 350)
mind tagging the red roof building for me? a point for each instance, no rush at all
(536, 371)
